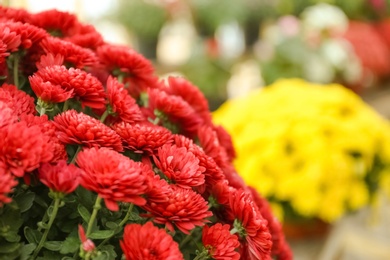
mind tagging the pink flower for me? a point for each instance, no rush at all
(61, 177)
(148, 242)
(87, 244)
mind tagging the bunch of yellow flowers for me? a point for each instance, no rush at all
(316, 149)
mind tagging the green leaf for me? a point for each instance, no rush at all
(40, 201)
(102, 234)
(111, 225)
(70, 245)
(84, 213)
(103, 255)
(110, 249)
(32, 235)
(53, 245)
(9, 247)
(25, 200)
(50, 255)
(27, 251)
(11, 236)
(10, 218)
(135, 217)
(85, 197)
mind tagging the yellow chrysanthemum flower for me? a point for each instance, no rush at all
(319, 148)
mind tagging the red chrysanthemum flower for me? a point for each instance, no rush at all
(219, 243)
(158, 189)
(24, 148)
(180, 166)
(173, 112)
(57, 23)
(9, 38)
(17, 100)
(191, 94)
(279, 244)
(113, 176)
(121, 104)
(213, 174)
(86, 88)
(7, 115)
(143, 137)
(184, 208)
(137, 71)
(208, 140)
(148, 242)
(74, 55)
(86, 37)
(225, 140)
(3, 52)
(48, 129)
(231, 175)
(14, 14)
(79, 128)
(61, 177)
(7, 183)
(49, 92)
(250, 226)
(29, 34)
(49, 60)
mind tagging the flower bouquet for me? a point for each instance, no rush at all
(100, 159)
(314, 151)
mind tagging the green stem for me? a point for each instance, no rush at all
(186, 239)
(104, 116)
(16, 70)
(51, 220)
(46, 216)
(75, 154)
(202, 256)
(96, 208)
(124, 220)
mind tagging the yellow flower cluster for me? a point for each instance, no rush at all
(317, 148)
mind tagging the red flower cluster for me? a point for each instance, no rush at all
(108, 126)
(149, 242)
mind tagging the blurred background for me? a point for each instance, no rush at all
(231, 48)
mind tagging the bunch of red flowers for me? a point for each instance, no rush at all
(84, 122)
